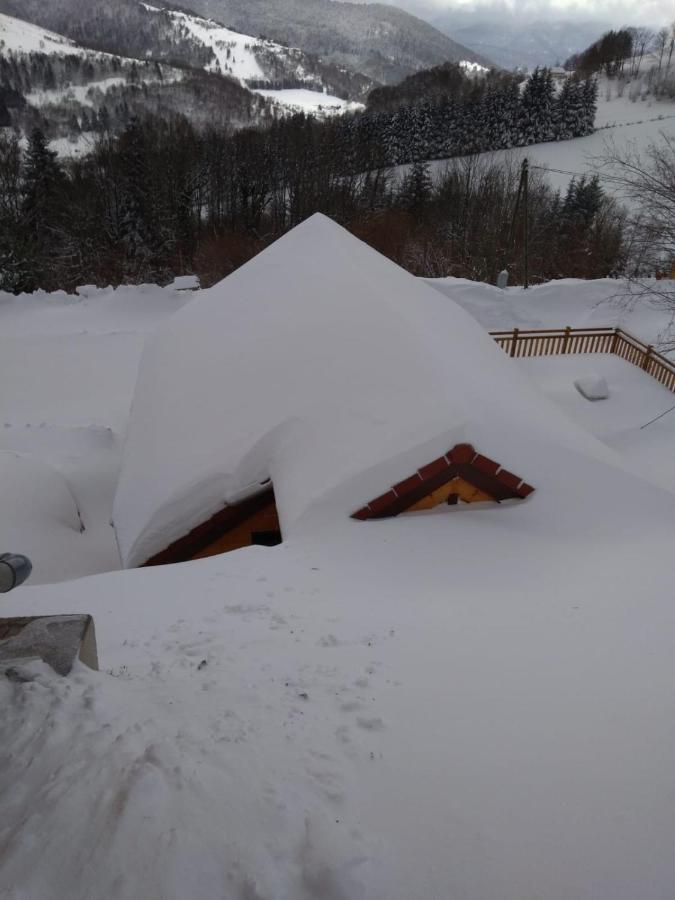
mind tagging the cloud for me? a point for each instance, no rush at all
(646, 12)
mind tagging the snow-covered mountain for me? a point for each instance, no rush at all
(515, 44)
(262, 63)
(381, 41)
(72, 91)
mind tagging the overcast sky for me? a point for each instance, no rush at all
(638, 12)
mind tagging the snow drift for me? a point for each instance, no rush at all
(316, 363)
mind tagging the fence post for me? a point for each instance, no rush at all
(566, 339)
(615, 341)
(514, 341)
(647, 358)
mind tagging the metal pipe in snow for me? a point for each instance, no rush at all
(14, 570)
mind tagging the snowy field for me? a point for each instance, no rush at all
(303, 100)
(466, 705)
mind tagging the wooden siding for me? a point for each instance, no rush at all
(265, 519)
(458, 488)
(242, 518)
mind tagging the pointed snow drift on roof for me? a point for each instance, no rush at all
(316, 362)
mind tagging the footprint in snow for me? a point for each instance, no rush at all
(371, 724)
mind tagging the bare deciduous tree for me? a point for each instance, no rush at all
(647, 181)
(643, 39)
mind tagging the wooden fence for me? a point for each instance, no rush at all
(559, 341)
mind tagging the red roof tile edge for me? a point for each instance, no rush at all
(463, 460)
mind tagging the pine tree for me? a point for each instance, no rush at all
(590, 104)
(416, 188)
(43, 187)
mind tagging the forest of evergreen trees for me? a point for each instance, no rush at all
(475, 115)
(163, 198)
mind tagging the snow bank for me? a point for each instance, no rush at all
(592, 387)
(68, 364)
(40, 517)
(317, 362)
(567, 301)
(108, 310)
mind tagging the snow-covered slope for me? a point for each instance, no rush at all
(23, 37)
(234, 52)
(257, 63)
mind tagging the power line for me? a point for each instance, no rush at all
(613, 178)
(656, 418)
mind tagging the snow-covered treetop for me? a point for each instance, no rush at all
(325, 367)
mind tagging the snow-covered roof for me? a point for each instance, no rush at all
(185, 283)
(323, 366)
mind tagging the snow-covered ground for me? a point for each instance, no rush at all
(567, 301)
(303, 100)
(468, 705)
(75, 421)
(624, 420)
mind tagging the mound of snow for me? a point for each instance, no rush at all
(592, 387)
(317, 364)
(40, 516)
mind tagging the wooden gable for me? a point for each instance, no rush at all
(461, 475)
(253, 521)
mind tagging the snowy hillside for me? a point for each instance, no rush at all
(379, 40)
(448, 703)
(637, 119)
(260, 63)
(22, 37)
(73, 92)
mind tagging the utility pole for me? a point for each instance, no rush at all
(525, 180)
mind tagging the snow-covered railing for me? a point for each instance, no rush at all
(559, 341)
